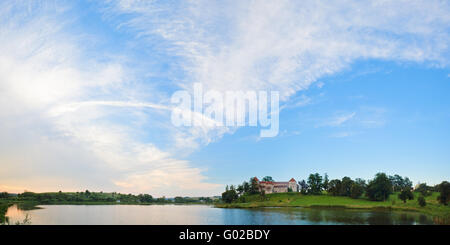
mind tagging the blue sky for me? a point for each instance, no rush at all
(85, 87)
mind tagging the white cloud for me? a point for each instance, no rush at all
(286, 45)
(64, 123)
(341, 134)
(340, 119)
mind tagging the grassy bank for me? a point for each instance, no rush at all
(310, 201)
(4, 205)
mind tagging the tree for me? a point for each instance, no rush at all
(254, 186)
(379, 188)
(179, 200)
(4, 195)
(444, 189)
(303, 186)
(421, 201)
(407, 183)
(246, 186)
(325, 182)
(423, 189)
(315, 184)
(356, 190)
(229, 196)
(145, 198)
(346, 186)
(240, 189)
(361, 182)
(406, 194)
(397, 182)
(334, 187)
(268, 179)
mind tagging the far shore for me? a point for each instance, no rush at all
(433, 208)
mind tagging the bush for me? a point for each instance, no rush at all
(406, 194)
(444, 189)
(421, 201)
(229, 196)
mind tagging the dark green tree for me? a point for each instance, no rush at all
(254, 186)
(268, 179)
(361, 182)
(406, 194)
(4, 195)
(334, 187)
(315, 184)
(240, 189)
(229, 196)
(423, 189)
(444, 189)
(246, 186)
(303, 187)
(356, 190)
(421, 201)
(379, 188)
(145, 198)
(346, 186)
(326, 181)
(407, 183)
(397, 182)
(179, 200)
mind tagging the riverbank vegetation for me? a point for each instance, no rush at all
(30, 200)
(88, 197)
(383, 192)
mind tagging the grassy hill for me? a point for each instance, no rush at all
(326, 201)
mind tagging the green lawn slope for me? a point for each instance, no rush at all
(433, 207)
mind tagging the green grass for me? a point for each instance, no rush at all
(4, 205)
(440, 212)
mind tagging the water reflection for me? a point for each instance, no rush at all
(200, 214)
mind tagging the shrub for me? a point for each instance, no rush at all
(444, 189)
(421, 201)
(229, 196)
(406, 194)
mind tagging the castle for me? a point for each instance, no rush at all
(277, 187)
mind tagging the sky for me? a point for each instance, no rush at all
(85, 88)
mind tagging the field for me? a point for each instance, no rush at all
(433, 208)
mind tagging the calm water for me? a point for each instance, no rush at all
(201, 214)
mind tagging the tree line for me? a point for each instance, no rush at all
(99, 197)
(377, 189)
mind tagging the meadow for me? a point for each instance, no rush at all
(295, 199)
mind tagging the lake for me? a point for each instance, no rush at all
(207, 215)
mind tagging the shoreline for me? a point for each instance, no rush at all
(297, 200)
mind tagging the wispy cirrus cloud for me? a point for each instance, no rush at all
(283, 45)
(70, 120)
(340, 119)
